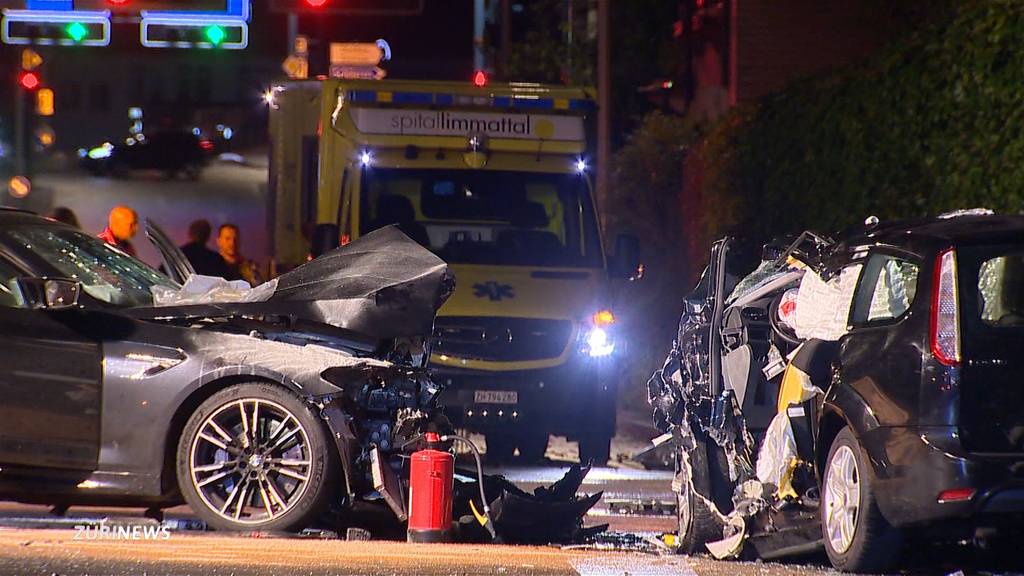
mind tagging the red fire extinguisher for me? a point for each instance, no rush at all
(430, 493)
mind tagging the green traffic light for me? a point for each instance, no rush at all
(215, 34)
(77, 31)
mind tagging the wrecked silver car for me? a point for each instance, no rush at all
(262, 413)
(851, 395)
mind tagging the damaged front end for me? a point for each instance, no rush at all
(348, 332)
(744, 478)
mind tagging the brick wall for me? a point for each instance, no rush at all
(773, 42)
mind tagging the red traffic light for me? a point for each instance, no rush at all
(480, 79)
(29, 80)
(315, 3)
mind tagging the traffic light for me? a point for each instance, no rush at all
(379, 7)
(194, 33)
(45, 102)
(52, 27)
(29, 80)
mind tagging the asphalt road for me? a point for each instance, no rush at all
(59, 552)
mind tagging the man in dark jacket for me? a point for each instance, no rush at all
(205, 261)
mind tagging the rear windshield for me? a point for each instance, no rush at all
(1001, 290)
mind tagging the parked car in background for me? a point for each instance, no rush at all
(853, 394)
(169, 152)
(261, 415)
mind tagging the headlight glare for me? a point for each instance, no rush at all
(598, 343)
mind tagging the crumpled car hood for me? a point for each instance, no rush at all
(383, 285)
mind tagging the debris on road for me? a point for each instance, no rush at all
(550, 515)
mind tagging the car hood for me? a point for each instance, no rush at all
(383, 285)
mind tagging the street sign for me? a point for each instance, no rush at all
(296, 67)
(30, 59)
(356, 53)
(357, 72)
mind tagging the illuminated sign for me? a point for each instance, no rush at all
(177, 28)
(456, 123)
(53, 27)
(167, 32)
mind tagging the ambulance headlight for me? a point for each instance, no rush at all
(597, 341)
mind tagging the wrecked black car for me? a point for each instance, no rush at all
(261, 411)
(852, 394)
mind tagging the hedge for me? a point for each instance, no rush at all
(932, 123)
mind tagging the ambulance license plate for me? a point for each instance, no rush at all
(495, 396)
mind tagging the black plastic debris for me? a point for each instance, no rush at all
(549, 515)
(626, 542)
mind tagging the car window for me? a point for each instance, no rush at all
(887, 289)
(9, 295)
(1001, 290)
(106, 273)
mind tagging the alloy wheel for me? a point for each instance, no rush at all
(841, 499)
(250, 461)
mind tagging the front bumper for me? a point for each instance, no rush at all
(570, 399)
(912, 466)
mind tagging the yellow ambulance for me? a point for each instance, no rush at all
(497, 181)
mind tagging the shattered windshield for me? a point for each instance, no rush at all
(764, 273)
(106, 273)
(487, 216)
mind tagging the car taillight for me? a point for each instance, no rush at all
(955, 495)
(945, 320)
(206, 145)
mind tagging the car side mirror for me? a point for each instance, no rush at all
(626, 261)
(49, 293)
(325, 238)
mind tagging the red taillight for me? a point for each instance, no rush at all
(955, 495)
(206, 145)
(480, 79)
(945, 319)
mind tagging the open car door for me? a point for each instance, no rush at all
(176, 265)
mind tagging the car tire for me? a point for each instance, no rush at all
(703, 502)
(275, 476)
(500, 447)
(595, 448)
(857, 537)
(533, 444)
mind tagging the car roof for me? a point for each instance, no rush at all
(956, 229)
(10, 215)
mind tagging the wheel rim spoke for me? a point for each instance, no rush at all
(213, 440)
(246, 437)
(266, 499)
(266, 468)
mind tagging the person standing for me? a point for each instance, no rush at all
(239, 267)
(205, 261)
(65, 215)
(122, 224)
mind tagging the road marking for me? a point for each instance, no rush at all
(624, 564)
